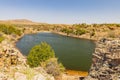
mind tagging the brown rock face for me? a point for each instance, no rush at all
(9, 55)
(106, 61)
(7, 59)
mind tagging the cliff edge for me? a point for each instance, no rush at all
(105, 61)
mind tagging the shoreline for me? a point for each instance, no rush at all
(74, 36)
(60, 33)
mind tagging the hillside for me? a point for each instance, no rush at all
(18, 21)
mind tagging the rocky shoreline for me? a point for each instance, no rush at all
(106, 61)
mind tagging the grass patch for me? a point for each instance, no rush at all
(29, 72)
(1, 39)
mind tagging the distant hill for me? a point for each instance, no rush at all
(18, 21)
(25, 21)
(21, 20)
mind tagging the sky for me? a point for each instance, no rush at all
(62, 11)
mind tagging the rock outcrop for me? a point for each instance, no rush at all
(106, 61)
(9, 56)
(13, 65)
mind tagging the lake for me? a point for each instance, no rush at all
(74, 53)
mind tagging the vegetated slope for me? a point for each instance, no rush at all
(87, 31)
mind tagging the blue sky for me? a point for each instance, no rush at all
(62, 11)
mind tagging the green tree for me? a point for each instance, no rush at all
(39, 54)
(67, 30)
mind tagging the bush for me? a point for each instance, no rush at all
(80, 31)
(40, 53)
(67, 30)
(9, 29)
(53, 67)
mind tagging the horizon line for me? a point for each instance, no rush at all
(36, 21)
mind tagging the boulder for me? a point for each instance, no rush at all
(20, 76)
(39, 77)
(3, 76)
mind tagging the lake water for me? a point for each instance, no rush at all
(74, 53)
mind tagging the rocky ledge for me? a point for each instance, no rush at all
(106, 61)
(13, 65)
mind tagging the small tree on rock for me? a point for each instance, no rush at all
(40, 53)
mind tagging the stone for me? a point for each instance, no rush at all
(43, 77)
(81, 78)
(20, 76)
(39, 77)
(9, 56)
(3, 76)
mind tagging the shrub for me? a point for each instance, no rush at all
(9, 29)
(80, 31)
(53, 67)
(40, 53)
(29, 72)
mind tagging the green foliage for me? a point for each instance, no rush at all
(9, 29)
(1, 39)
(29, 72)
(66, 30)
(80, 31)
(83, 25)
(40, 53)
(44, 55)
